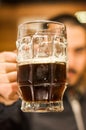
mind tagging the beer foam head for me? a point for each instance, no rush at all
(42, 60)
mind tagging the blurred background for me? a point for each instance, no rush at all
(14, 12)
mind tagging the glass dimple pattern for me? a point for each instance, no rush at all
(41, 46)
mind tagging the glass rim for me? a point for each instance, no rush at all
(40, 21)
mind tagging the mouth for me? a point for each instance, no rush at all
(70, 78)
(71, 72)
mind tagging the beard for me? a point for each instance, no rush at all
(78, 87)
(79, 80)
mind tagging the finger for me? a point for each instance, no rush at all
(14, 96)
(3, 79)
(9, 77)
(9, 91)
(12, 76)
(7, 67)
(8, 57)
(14, 92)
(10, 67)
(6, 102)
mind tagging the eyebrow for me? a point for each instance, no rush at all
(80, 48)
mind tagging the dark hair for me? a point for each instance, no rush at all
(67, 18)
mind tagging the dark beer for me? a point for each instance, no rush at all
(42, 81)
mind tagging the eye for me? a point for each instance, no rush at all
(80, 50)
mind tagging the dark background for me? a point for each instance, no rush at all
(14, 2)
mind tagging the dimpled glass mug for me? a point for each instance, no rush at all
(41, 65)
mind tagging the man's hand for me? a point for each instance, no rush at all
(8, 78)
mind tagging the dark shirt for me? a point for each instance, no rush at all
(12, 118)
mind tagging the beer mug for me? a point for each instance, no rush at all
(41, 65)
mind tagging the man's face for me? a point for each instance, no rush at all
(76, 37)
